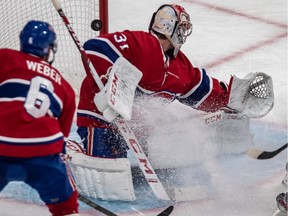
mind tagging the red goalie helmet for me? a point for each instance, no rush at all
(173, 22)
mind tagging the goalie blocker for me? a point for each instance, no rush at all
(116, 98)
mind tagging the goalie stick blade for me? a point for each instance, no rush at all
(263, 155)
(95, 206)
(167, 211)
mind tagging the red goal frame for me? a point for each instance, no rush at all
(103, 15)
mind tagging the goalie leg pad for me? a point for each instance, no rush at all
(103, 178)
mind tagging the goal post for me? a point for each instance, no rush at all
(14, 14)
(103, 15)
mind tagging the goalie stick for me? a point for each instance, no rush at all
(165, 212)
(262, 155)
(95, 205)
(125, 130)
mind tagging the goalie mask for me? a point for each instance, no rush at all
(173, 22)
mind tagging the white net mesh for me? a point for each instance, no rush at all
(253, 95)
(258, 87)
(15, 14)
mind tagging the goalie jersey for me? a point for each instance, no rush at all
(37, 106)
(161, 73)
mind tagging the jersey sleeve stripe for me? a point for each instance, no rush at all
(199, 93)
(99, 55)
(31, 141)
(103, 47)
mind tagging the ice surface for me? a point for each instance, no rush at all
(229, 37)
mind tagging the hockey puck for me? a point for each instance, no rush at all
(96, 25)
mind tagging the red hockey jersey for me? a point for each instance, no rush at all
(37, 106)
(191, 85)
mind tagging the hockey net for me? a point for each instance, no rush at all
(16, 13)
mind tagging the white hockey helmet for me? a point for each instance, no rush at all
(174, 22)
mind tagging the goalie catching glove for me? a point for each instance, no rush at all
(116, 98)
(252, 96)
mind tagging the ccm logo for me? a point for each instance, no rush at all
(213, 119)
(113, 89)
(136, 148)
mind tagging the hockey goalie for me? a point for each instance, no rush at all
(171, 106)
(163, 126)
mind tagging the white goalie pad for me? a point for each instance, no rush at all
(118, 94)
(253, 95)
(103, 178)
